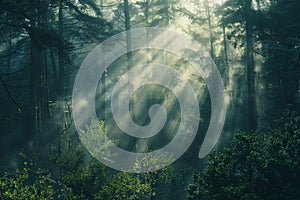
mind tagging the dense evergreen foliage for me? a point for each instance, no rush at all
(260, 165)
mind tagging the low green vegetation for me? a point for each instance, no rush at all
(258, 165)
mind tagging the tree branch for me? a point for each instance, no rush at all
(9, 94)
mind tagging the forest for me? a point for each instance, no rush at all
(254, 44)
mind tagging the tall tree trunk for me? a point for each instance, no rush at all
(127, 27)
(9, 46)
(252, 112)
(46, 140)
(167, 22)
(39, 92)
(147, 4)
(60, 103)
(129, 56)
(226, 70)
(54, 68)
(208, 13)
(61, 49)
(37, 87)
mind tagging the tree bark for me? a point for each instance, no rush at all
(37, 64)
(226, 70)
(127, 27)
(61, 49)
(9, 46)
(252, 112)
(208, 12)
(39, 87)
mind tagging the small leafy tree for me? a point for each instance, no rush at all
(257, 166)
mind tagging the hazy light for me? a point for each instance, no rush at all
(219, 2)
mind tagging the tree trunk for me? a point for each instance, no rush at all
(39, 101)
(9, 46)
(39, 92)
(127, 27)
(129, 58)
(210, 30)
(61, 49)
(226, 70)
(54, 68)
(250, 70)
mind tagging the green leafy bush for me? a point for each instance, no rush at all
(33, 183)
(260, 165)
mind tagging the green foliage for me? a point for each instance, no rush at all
(157, 177)
(234, 19)
(89, 179)
(92, 138)
(32, 183)
(157, 12)
(124, 186)
(86, 181)
(257, 166)
(82, 174)
(280, 37)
